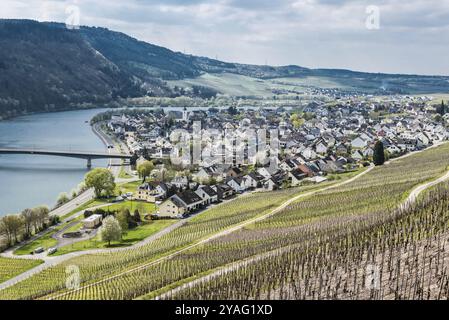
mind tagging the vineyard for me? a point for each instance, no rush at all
(304, 251)
(9, 268)
(401, 254)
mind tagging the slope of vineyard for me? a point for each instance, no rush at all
(401, 254)
(327, 213)
(9, 268)
(303, 224)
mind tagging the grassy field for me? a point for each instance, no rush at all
(232, 84)
(9, 268)
(132, 236)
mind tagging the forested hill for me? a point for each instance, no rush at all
(47, 67)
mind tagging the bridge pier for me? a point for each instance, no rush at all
(89, 163)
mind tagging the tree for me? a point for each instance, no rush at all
(10, 226)
(133, 160)
(27, 217)
(137, 217)
(379, 154)
(40, 217)
(297, 121)
(442, 109)
(123, 217)
(62, 199)
(144, 169)
(102, 181)
(110, 230)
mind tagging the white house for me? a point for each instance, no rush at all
(237, 184)
(358, 143)
(208, 194)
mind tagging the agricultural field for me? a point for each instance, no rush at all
(231, 84)
(398, 254)
(302, 225)
(9, 268)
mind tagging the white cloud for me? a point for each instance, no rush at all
(317, 33)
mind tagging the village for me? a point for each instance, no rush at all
(316, 144)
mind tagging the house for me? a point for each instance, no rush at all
(180, 182)
(237, 184)
(253, 180)
(308, 169)
(224, 191)
(275, 182)
(270, 185)
(208, 194)
(150, 193)
(341, 149)
(321, 148)
(171, 208)
(295, 177)
(207, 173)
(358, 143)
(290, 164)
(266, 172)
(92, 222)
(180, 205)
(357, 155)
(368, 152)
(234, 172)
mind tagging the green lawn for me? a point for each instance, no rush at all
(124, 175)
(45, 242)
(143, 207)
(132, 237)
(87, 205)
(129, 187)
(9, 268)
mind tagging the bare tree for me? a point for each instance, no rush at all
(11, 226)
(27, 216)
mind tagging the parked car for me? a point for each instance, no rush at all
(118, 199)
(39, 250)
(52, 250)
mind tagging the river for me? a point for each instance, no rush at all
(32, 180)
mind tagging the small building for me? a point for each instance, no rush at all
(180, 205)
(224, 191)
(147, 192)
(92, 222)
(208, 194)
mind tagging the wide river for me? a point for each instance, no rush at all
(32, 180)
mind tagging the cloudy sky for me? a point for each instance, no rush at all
(410, 36)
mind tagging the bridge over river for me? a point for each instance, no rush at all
(89, 156)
